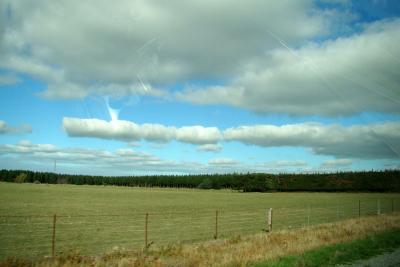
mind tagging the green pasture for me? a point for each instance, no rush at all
(95, 219)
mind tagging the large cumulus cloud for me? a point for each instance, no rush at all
(84, 47)
(262, 53)
(338, 77)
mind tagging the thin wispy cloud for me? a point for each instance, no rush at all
(7, 129)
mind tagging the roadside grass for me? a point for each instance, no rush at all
(344, 253)
(242, 250)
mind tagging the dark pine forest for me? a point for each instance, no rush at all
(368, 181)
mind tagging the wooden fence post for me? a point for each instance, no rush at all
(359, 208)
(392, 205)
(269, 220)
(378, 207)
(53, 240)
(146, 243)
(216, 225)
(337, 213)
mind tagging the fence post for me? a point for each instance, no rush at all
(146, 244)
(378, 206)
(216, 225)
(392, 205)
(269, 220)
(53, 240)
(359, 208)
(337, 213)
(308, 215)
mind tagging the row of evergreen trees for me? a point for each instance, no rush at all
(369, 181)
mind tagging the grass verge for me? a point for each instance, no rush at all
(341, 253)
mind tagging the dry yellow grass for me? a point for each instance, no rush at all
(238, 251)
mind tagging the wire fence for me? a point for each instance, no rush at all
(38, 236)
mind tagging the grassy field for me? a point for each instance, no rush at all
(317, 245)
(95, 219)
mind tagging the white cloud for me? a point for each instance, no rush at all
(75, 46)
(60, 86)
(209, 148)
(26, 154)
(357, 141)
(130, 131)
(6, 129)
(9, 79)
(337, 77)
(282, 164)
(392, 166)
(198, 135)
(117, 129)
(372, 141)
(122, 160)
(262, 49)
(134, 144)
(336, 163)
(223, 162)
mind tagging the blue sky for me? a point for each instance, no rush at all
(199, 87)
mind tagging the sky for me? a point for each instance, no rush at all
(189, 87)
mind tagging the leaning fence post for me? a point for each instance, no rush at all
(269, 220)
(145, 231)
(53, 240)
(216, 225)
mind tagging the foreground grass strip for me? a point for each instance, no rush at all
(341, 253)
(237, 251)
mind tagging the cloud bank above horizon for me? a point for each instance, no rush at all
(356, 141)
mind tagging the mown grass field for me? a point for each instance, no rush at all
(95, 219)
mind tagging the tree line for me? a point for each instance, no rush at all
(365, 181)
